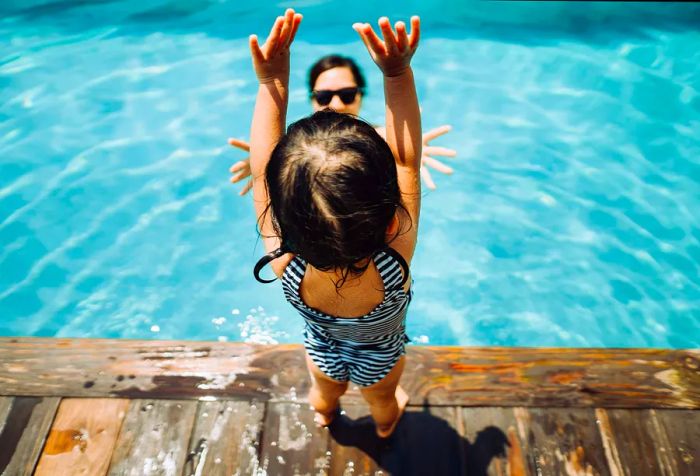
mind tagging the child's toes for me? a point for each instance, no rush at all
(325, 419)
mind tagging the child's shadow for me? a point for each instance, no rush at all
(422, 444)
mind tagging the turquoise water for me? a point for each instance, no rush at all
(571, 219)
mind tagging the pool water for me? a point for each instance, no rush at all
(571, 218)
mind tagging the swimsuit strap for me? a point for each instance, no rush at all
(392, 268)
(294, 273)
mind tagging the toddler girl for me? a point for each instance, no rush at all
(338, 210)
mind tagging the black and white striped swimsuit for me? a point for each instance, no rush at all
(360, 349)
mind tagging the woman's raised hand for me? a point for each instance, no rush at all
(428, 151)
(241, 169)
(393, 55)
(271, 61)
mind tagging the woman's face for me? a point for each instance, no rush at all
(332, 80)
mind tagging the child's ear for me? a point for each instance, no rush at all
(393, 228)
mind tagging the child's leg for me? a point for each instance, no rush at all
(387, 400)
(324, 393)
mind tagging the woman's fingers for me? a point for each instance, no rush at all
(427, 178)
(241, 165)
(246, 188)
(388, 34)
(241, 144)
(437, 132)
(437, 150)
(415, 32)
(402, 36)
(436, 164)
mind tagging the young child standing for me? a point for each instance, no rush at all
(338, 210)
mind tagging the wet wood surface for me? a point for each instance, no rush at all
(78, 421)
(154, 438)
(464, 376)
(25, 423)
(115, 425)
(225, 438)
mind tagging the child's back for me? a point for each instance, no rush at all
(338, 209)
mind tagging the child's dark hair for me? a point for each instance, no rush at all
(336, 61)
(333, 191)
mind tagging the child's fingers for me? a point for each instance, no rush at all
(359, 27)
(286, 28)
(402, 36)
(375, 44)
(255, 50)
(388, 34)
(295, 27)
(415, 32)
(271, 42)
(241, 144)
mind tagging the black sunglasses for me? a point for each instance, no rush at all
(324, 96)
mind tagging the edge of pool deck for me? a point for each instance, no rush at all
(435, 376)
(100, 406)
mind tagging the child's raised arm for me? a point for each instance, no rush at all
(403, 128)
(271, 63)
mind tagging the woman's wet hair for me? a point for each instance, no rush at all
(336, 61)
(333, 191)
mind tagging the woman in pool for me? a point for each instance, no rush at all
(337, 82)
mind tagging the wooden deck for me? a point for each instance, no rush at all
(84, 407)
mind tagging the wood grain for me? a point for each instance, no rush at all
(497, 441)
(464, 376)
(292, 443)
(225, 438)
(24, 428)
(82, 437)
(154, 438)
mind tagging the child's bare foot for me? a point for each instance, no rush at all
(401, 400)
(323, 419)
(326, 410)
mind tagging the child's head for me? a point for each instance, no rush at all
(333, 191)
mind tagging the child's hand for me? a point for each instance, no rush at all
(272, 60)
(393, 55)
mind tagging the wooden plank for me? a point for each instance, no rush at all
(466, 376)
(565, 441)
(682, 431)
(24, 429)
(496, 441)
(82, 437)
(154, 438)
(354, 446)
(291, 441)
(5, 405)
(225, 438)
(633, 445)
(426, 441)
